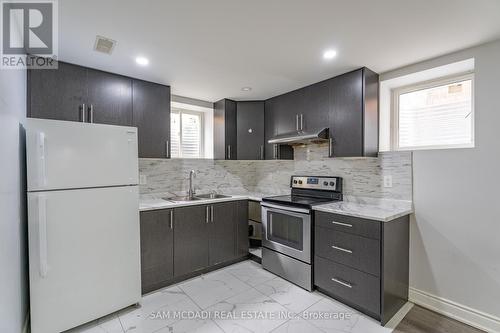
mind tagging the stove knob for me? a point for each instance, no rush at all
(325, 183)
(300, 182)
(295, 182)
(332, 184)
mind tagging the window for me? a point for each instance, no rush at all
(186, 129)
(432, 115)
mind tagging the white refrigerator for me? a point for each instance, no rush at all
(83, 222)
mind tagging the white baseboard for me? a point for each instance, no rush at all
(399, 316)
(462, 313)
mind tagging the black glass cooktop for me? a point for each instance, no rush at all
(297, 200)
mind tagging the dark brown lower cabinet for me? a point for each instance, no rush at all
(222, 240)
(228, 231)
(157, 249)
(182, 242)
(363, 263)
(190, 239)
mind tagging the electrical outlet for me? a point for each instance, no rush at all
(143, 180)
(388, 181)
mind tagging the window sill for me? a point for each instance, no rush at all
(444, 147)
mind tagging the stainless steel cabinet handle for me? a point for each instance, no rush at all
(212, 213)
(297, 122)
(172, 219)
(301, 122)
(342, 224)
(261, 152)
(83, 113)
(341, 249)
(207, 214)
(228, 152)
(275, 151)
(345, 284)
(91, 114)
(167, 149)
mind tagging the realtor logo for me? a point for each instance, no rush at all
(29, 36)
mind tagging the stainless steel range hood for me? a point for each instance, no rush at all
(302, 137)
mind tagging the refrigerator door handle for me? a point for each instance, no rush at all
(42, 172)
(131, 142)
(42, 235)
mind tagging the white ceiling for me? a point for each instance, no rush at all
(210, 49)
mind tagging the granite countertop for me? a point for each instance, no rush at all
(155, 201)
(384, 210)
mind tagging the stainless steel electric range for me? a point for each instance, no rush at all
(287, 226)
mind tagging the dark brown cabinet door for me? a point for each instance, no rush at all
(190, 239)
(242, 241)
(315, 115)
(250, 130)
(222, 240)
(156, 249)
(281, 114)
(110, 98)
(57, 94)
(346, 116)
(225, 137)
(151, 115)
(231, 136)
(354, 113)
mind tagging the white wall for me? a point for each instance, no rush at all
(455, 233)
(13, 233)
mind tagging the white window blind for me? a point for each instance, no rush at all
(186, 134)
(434, 115)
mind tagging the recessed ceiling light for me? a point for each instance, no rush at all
(329, 54)
(142, 61)
(246, 89)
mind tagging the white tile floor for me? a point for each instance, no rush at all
(239, 298)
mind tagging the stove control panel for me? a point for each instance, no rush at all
(317, 183)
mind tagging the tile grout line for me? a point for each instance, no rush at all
(226, 270)
(222, 300)
(192, 300)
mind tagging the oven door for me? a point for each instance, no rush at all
(287, 230)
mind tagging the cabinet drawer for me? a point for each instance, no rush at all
(354, 251)
(349, 224)
(254, 211)
(355, 287)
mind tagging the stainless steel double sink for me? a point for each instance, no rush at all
(196, 197)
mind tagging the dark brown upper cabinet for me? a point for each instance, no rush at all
(346, 104)
(250, 130)
(225, 137)
(76, 93)
(109, 98)
(58, 94)
(151, 116)
(353, 116)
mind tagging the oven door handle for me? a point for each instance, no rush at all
(286, 208)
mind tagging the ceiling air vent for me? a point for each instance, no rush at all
(104, 45)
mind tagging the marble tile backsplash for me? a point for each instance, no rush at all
(363, 177)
